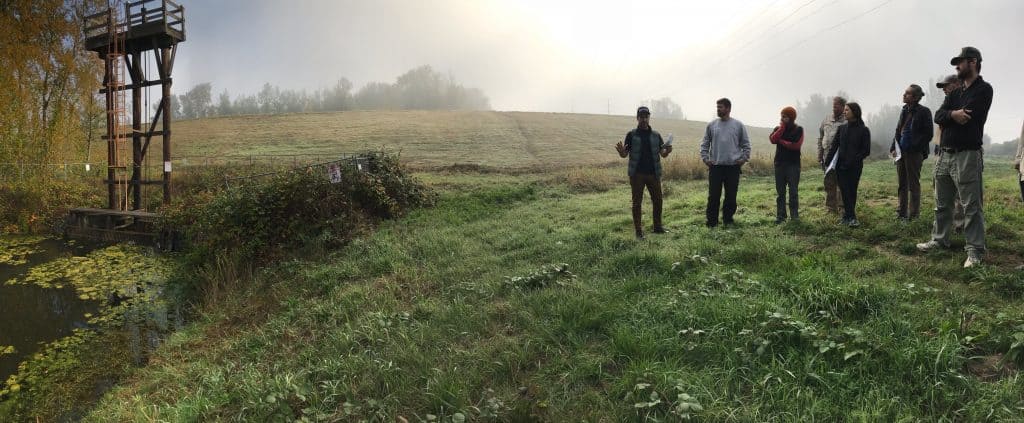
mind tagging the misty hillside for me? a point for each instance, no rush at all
(435, 138)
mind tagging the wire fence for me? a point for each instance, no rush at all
(331, 168)
(17, 172)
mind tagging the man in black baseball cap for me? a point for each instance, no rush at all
(966, 53)
(958, 172)
(645, 148)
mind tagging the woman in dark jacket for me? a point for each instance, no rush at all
(787, 137)
(853, 145)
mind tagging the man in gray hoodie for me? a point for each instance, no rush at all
(724, 149)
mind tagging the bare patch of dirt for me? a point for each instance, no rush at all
(990, 368)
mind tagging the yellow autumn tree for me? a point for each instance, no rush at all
(48, 84)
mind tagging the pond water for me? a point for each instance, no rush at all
(31, 316)
(48, 289)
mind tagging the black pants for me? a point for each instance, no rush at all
(787, 175)
(653, 184)
(1022, 190)
(719, 176)
(849, 179)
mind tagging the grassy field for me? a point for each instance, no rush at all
(526, 298)
(430, 139)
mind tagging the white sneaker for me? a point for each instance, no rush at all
(973, 259)
(925, 247)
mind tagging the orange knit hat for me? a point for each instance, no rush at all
(789, 112)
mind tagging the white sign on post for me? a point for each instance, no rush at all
(334, 173)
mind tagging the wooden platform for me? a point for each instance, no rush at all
(150, 24)
(119, 225)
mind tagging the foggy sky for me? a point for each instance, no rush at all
(601, 56)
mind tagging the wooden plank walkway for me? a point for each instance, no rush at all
(118, 226)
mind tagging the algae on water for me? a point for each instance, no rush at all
(15, 251)
(116, 270)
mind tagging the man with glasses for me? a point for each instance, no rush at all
(913, 136)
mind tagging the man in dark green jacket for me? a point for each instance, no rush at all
(645, 148)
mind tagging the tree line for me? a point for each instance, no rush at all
(421, 88)
(664, 108)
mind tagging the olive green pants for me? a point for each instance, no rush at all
(960, 175)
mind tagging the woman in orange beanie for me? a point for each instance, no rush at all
(787, 137)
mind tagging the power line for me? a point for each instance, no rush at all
(668, 70)
(790, 48)
(768, 32)
(752, 40)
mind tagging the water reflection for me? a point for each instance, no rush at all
(117, 279)
(31, 316)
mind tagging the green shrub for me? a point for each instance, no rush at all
(40, 204)
(257, 219)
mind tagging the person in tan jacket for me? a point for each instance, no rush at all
(826, 134)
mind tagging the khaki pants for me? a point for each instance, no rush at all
(958, 207)
(908, 170)
(832, 201)
(960, 175)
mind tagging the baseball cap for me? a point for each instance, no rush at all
(946, 81)
(643, 110)
(966, 53)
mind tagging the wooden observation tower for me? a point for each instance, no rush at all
(124, 36)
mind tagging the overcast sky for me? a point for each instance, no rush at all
(591, 55)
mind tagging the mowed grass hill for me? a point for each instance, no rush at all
(430, 139)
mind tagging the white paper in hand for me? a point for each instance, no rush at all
(832, 164)
(670, 138)
(896, 156)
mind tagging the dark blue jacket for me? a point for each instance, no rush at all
(921, 128)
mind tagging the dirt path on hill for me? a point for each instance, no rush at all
(528, 144)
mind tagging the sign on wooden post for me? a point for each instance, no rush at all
(334, 173)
